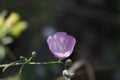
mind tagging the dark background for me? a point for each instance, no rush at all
(94, 23)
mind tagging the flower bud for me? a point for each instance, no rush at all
(67, 74)
(33, 53)
(21, 57)
(68, 62)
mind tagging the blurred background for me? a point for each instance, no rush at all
(94, 23)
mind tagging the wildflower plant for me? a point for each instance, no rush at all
(60, 44)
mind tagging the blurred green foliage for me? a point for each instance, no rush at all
(16, 77)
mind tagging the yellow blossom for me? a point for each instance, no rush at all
(18, 28)
(10, 21)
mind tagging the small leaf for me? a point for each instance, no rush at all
(2, 18)
(7, 40)
(2, 52)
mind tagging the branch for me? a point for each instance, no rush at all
(30, 63)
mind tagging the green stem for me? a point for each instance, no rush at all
(20, 71)
(32, 63)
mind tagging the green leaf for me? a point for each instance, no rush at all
(2, 52)
(7, 40)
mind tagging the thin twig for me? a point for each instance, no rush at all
(90, 72)
(31, 63)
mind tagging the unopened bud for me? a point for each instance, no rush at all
(68, 62)
(21, 57)
(33, 53)
(67, 74)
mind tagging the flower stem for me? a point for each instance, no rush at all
(20, 71)
(31, 63)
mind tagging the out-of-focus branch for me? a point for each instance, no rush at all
(76, 65)
(90, 71)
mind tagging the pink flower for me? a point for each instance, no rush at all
(61, 44)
